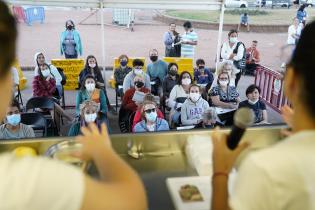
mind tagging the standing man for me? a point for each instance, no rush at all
(170, 38)
(189, 41)
(234, 50)
(156, 70)
(252, 58)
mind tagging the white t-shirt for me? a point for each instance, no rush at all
(227, 50)
(291, 31)
(281, 177)
(39, 184)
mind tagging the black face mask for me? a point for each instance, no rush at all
(69, 27)
(153, 58)
(139, 84)
(172, 72)
(201, 67)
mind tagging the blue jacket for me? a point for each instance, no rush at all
(77, 39)
(161, 125)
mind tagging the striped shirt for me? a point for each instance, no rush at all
(188, 50)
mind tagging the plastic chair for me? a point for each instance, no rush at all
(36, 120)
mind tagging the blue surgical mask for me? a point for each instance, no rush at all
(14, 119)
(151, 116)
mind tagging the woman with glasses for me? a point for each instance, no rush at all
(225, 97)
(228, 67)
(151, 122)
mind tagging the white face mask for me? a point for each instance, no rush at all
(92, 65)
(45, 73)
(89, 118)
(253, 102)
(138, 71)
(90, 87)
(194, 96)
(186, 81)
(233, 39)
(223, 83)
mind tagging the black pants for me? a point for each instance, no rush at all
(71, 56)
(250, 68)
(238, 77)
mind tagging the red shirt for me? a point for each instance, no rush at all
(127, 101)
(252, 53)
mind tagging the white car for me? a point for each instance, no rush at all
(236, 4)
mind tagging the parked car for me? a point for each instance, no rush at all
(309, 3)
(263, 3)
(236, 4)
(281, 3)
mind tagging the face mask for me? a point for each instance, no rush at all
(194, 96)
(151, 116)
(186, 81)
(172, 72)
(233, 39)
(90, 87)
(70, 27)
(92, 65)
(224, 83)
(153, 58)
(201, 67)
(123, 63)
(138, 71)
(89, 118)
(139, 84)
(252, 102)
(45, 73)
(14, 119)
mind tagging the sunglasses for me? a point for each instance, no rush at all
(148, 111)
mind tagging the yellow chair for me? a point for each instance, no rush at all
(184, 64)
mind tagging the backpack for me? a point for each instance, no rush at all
(240, 64)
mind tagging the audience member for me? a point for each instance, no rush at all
(202, 75)
(89, 113)
(194, 107)
(227, 67)
(156, 70)
(253, 102)
(70, 41)
(210, 119)
(293, 36)
(225, 97)
(121, 72)
(129, 102)
(13, 128)
(170, 80)
(137, 117)
(150, 122)
(89, 92)
(188, 41)
(137, 71)
(92, 68)
(44, 84)
(235, 51)
(171, 38)
(301, 14)
(40, 61)
(178, 96)
(252, 58)
(244, 21)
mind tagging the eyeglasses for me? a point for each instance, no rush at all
(148, 111)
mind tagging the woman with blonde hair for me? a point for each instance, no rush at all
(228, 67)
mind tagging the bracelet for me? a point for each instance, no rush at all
(219, 174)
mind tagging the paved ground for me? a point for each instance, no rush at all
(148, 34)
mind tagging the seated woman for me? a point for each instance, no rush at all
(13, 128)
(228, 67)
(121, 72)
(169, 81)
(137, 117)
(44, 84)
(194, 107)
(225, 97)
(91, 68)
(253, 102)
(178, 96)
(129, 102)
(150, 122)
(40, 61)
(202, 75)
(88, 92)
(88, 114)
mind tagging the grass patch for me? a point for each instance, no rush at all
(256, 16)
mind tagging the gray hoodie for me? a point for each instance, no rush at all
(191, 112)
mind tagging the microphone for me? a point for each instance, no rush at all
(243, 118)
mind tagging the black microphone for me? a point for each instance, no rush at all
(243, 118)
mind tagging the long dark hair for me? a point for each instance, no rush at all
(87, 67)
(89, 76)
(71, 21)
(181, 77)
(302, 63)
(40, 72)
(302, 7)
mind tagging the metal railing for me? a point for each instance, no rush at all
(272, 87)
